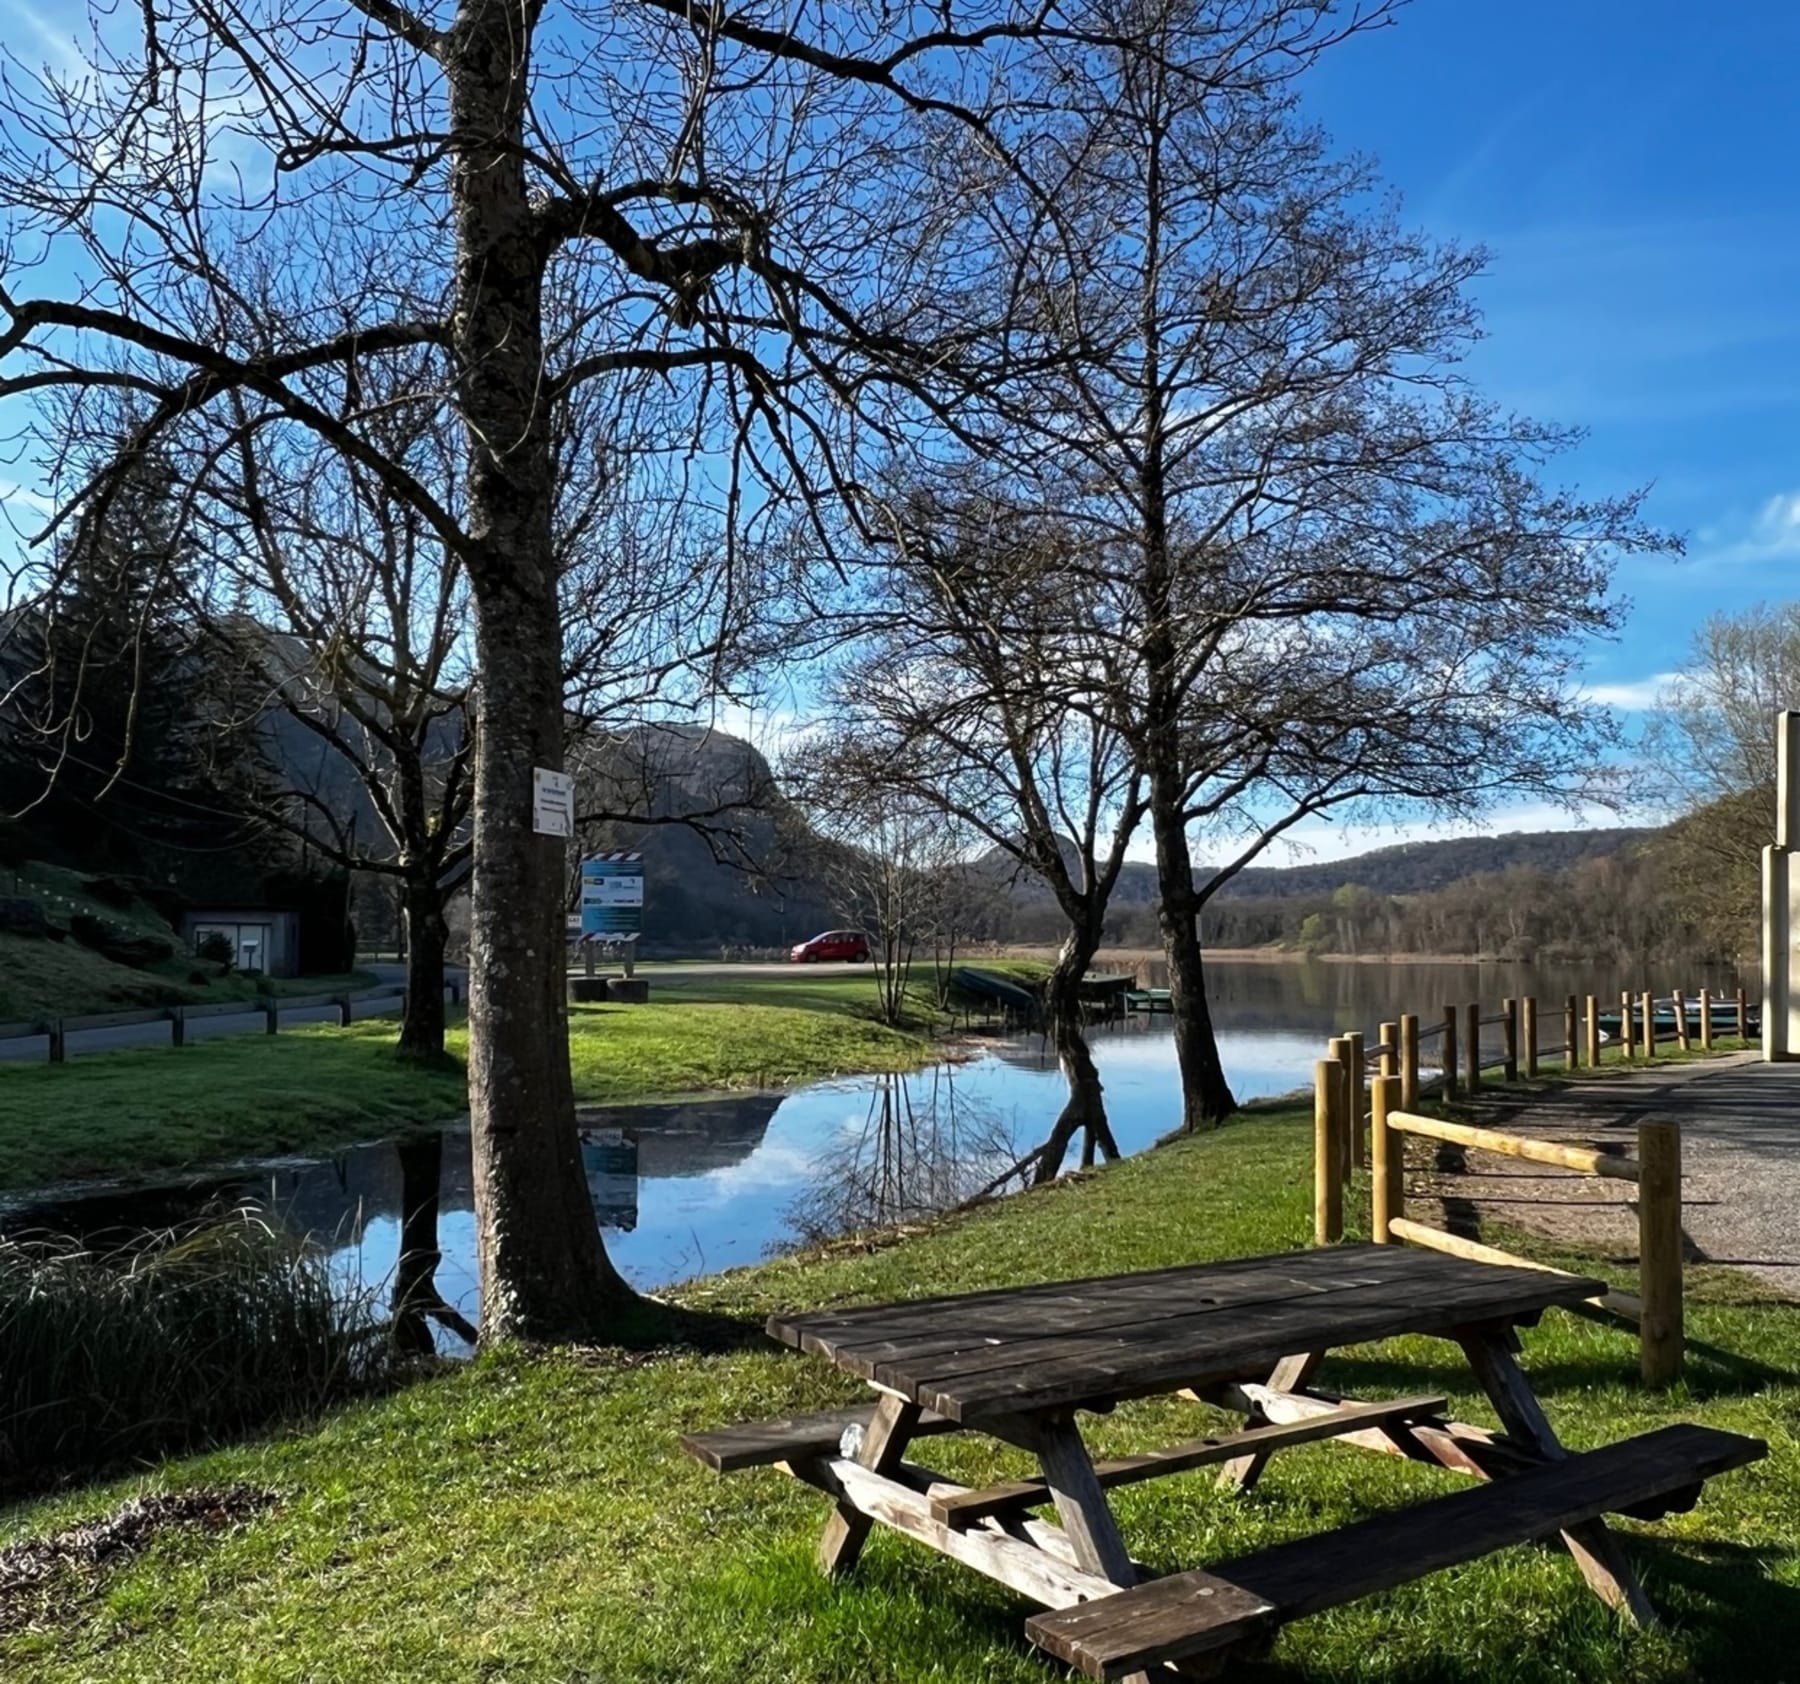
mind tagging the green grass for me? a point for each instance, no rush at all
(130, 1113)
(531, 1518)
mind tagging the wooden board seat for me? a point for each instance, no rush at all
(1190, 1614)
(963, 1508)
(759, 1444)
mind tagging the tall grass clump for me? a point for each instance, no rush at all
(183, 1337)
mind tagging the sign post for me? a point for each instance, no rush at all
(1781, 876)
(612, 901)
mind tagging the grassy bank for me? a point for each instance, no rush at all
(531, 1519)
(132, 1113)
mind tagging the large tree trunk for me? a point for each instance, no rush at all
(545, 1274)
(1206, 1096)
(427, 938)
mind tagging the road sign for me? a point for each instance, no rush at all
(612, 896)
(552, 802)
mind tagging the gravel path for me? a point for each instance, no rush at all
(1740, 1158)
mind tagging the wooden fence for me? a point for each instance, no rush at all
(1362, 1114)
(56, 1030)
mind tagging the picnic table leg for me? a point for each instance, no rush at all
(884, 1443)
(1081, 1506)
(1596, 1550)
(1291, 1374)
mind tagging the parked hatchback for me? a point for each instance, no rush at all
(833, 944)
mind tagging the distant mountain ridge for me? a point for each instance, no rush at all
(1402, 868)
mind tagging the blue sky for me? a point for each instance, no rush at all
(1632, 166)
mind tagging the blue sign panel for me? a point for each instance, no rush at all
(612, 896)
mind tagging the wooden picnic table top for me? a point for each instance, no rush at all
(1094, 1342)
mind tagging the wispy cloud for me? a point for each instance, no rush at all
(1771, 534)
(1631, 695)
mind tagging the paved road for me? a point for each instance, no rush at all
(1740, 1125)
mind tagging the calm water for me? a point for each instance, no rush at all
(697, 1187)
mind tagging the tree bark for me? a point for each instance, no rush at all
(545, 1274)
(427, 938)
(1206, 1096)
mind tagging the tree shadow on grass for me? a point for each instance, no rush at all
(651, 1326)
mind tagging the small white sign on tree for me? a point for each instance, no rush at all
(552, 803)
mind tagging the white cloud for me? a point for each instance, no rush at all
(1772, 534)
(1632, 695)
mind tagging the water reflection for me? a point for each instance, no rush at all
(925, 1145)
(688, 1189)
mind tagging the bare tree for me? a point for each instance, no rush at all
(256, 202)
(1326, 570)
(976, 693)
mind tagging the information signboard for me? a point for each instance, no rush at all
(612, 897)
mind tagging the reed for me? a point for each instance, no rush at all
(181, 1338)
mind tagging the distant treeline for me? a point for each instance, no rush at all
(1619, 907)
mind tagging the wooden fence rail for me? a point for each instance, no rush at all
(56, 1030)
(1657, 1309)
(1358, 1078)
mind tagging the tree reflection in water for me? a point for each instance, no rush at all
(416, 1300)
(1084, 1114)
(923, 1147)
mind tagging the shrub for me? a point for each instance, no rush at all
(187, 1336)
(216, 946)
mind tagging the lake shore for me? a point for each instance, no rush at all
(532, 1515)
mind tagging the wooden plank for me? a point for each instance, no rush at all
(875, 1341)
(1118, 1364)
(1588, 1160)
(1660, 1332)
(1024, 1564)
(884, 1443)
(862, 1342)
(963, 1508)
(1081, 1503)
(1593, 1548)
(761, 1444)
(1196, 1613)
(1293, 1372)
(1454, 1245)
(114, 1020)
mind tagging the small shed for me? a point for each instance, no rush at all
(264, 941)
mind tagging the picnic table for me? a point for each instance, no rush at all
(1022, 1365)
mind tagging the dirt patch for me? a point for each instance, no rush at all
(46, 1582)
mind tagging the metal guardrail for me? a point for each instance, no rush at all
(269, 1007)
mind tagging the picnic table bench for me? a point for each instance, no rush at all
(1020, 1365)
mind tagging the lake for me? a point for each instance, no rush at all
(694, 1187)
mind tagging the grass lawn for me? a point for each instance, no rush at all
(531, 1518)
(310, 1089)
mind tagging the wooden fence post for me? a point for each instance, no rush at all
(1472, 1047)
(1528, 1029)
(1451, 1083)
(1571, 1034)
(1683, 1038)
(1627, 1024)
(1356, 1075)
(1387, 1161)
(1660, 1332)
(1706, 1018)
(343, 1005)
(178, 1026)
(59, 1045)
(1743, 1017)
(1328, 1190)
(1390, 1051)
(271, 1015)
(1340, 1112)
(1509, 1039)
(1649, 1041)
(1409, 1060)
(1593, 1031)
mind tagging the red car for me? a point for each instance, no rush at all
(833, 944)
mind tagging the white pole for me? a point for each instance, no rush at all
(1780, 1006)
